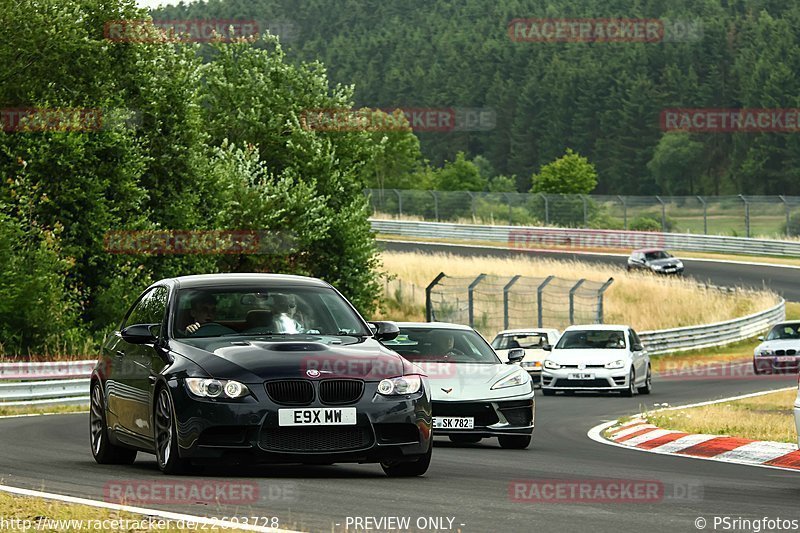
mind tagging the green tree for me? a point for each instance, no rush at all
(677, 164)
(569, 174)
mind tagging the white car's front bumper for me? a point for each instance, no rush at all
(590, 379)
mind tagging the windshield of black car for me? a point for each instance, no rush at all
(442, 345)
(519, 340)
(784, 331)
(591, 339)
(284, 311)
(655, 256)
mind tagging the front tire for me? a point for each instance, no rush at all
(631, 390)
(409, 468)
(514, 442)
(166, 441)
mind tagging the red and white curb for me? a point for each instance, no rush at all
(640, 435)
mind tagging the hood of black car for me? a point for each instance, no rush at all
(251, 361)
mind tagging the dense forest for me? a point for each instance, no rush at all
(602, 99)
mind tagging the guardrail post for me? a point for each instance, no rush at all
(506, 290)
(600, 292)
(429, 315)
(624, 203)
(746, 215)
(471, 290)
(705, 215)
(399, 202)
(572, 301)
(786, 207)
(663, 214)
(539, 291)
(546, 209)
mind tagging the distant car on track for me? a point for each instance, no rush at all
(597, 358)
(533, 341)
(779, 352)
(224, 367)
(475, 395)
(655, 260)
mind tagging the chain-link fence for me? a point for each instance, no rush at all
(493, 303)
(744, 216)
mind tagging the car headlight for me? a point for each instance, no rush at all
(551, 364)
(620, 363)
(766, 352)
(398, 386)
(514, 380)
(531, 364)
(679, 264)
(216, 388)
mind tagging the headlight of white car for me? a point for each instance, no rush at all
(620, 363)
(766, 352)
(531, 364)
(216, 388)
(514, 380)
(552, 365)
(398, 386)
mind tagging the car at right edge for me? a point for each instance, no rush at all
(597, 357)
(779, 351)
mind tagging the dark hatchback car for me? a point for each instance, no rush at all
(654, 260)
(256, 368)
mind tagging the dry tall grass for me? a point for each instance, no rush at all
(767, 417)
(643, 301)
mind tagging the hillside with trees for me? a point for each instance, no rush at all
(603, 100)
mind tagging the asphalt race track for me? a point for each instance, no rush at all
(468, 483)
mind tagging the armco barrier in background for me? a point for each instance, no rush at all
(517, 237)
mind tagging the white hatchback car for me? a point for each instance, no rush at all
(533, 341)
(597, 358)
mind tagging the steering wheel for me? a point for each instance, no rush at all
(207, 327)
(454, 351)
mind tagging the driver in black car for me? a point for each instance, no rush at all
(202, 311)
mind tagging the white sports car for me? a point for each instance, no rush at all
(533, 341)
(598, 358)
(474, 394)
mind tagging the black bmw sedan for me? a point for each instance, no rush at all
(256, 368)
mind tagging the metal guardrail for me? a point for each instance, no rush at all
(710, 335)
(537, 238)
(45, 383)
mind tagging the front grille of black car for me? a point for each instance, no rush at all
(316, 439)
(340, 391)
(290, 391)
(482, 412)
(517, 413)
(785, 352)
(582, 383)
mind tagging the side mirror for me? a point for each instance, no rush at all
(515, 355)
(638, 347)
(761, 338)
(384, 331)
(547, 347)
(140, 334)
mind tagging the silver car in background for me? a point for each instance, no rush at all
(533, 341)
